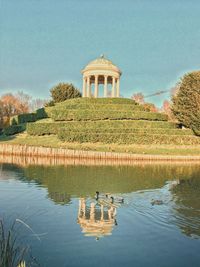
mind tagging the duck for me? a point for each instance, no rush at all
(100, 196)
(116, 199)
(156, 202)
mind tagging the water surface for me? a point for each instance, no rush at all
(73, 229)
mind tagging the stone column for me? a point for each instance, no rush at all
(84, 87)
(96, 86)
(105, 86)
(88, 87)
(118, 93)
(113, 86)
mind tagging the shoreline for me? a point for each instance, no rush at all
(64, 156)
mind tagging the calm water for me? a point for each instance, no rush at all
(73, 229)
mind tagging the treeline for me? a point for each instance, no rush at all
(15, 104)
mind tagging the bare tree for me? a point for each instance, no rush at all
(24, 101)
(138, 97)
(37, 103)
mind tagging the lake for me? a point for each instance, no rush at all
(157, 224)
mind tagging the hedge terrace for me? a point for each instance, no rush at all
(105, 120)
(96, 101)
(14, 129)
(42, 128)
(127, 138)
(62, 114)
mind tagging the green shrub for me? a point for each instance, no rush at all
(14, 129)
(101, 107)
(64, 91)
(23, 118)
(51, 103)
(96, 101)
(63, 114)
(124, 138)
(185, 103)
(41, 114)
(130, 130)
(43, 128)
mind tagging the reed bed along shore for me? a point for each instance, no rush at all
(55, 156)
(50, 161)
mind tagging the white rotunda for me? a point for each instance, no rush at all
(101, 71)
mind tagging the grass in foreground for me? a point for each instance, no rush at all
(53, 141)
(13, 251)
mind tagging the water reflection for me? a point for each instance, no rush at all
(187, 209)
(66, 183)
(96, 219)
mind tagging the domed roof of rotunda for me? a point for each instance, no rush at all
(101, 63)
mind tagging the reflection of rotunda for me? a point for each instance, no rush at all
(101, 71)
(96, 220)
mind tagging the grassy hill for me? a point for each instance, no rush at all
(109, 120)
(105, 124)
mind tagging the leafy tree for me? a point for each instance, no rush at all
(186, 102)
(64, 91)
(50, 103)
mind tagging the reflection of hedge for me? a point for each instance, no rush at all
(63, 114)
(124, 138)
(68, 180)
(14, 129)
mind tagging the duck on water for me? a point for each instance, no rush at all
(108, 196)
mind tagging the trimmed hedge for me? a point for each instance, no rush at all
(131, 130)
(63, 114)
(124, 138)
(42, 128)
(23, 118)
(93, 101)
(101, 109)
(41, 113)
(120, 124)
(14, 129)
(97, 106)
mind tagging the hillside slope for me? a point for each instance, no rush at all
(110, 120)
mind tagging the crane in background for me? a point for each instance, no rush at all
(157, 93)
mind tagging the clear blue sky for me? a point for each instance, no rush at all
(43, 42)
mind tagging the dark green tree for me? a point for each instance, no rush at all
(64, 91)
(186, 101)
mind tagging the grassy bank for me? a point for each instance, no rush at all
(53, 141)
